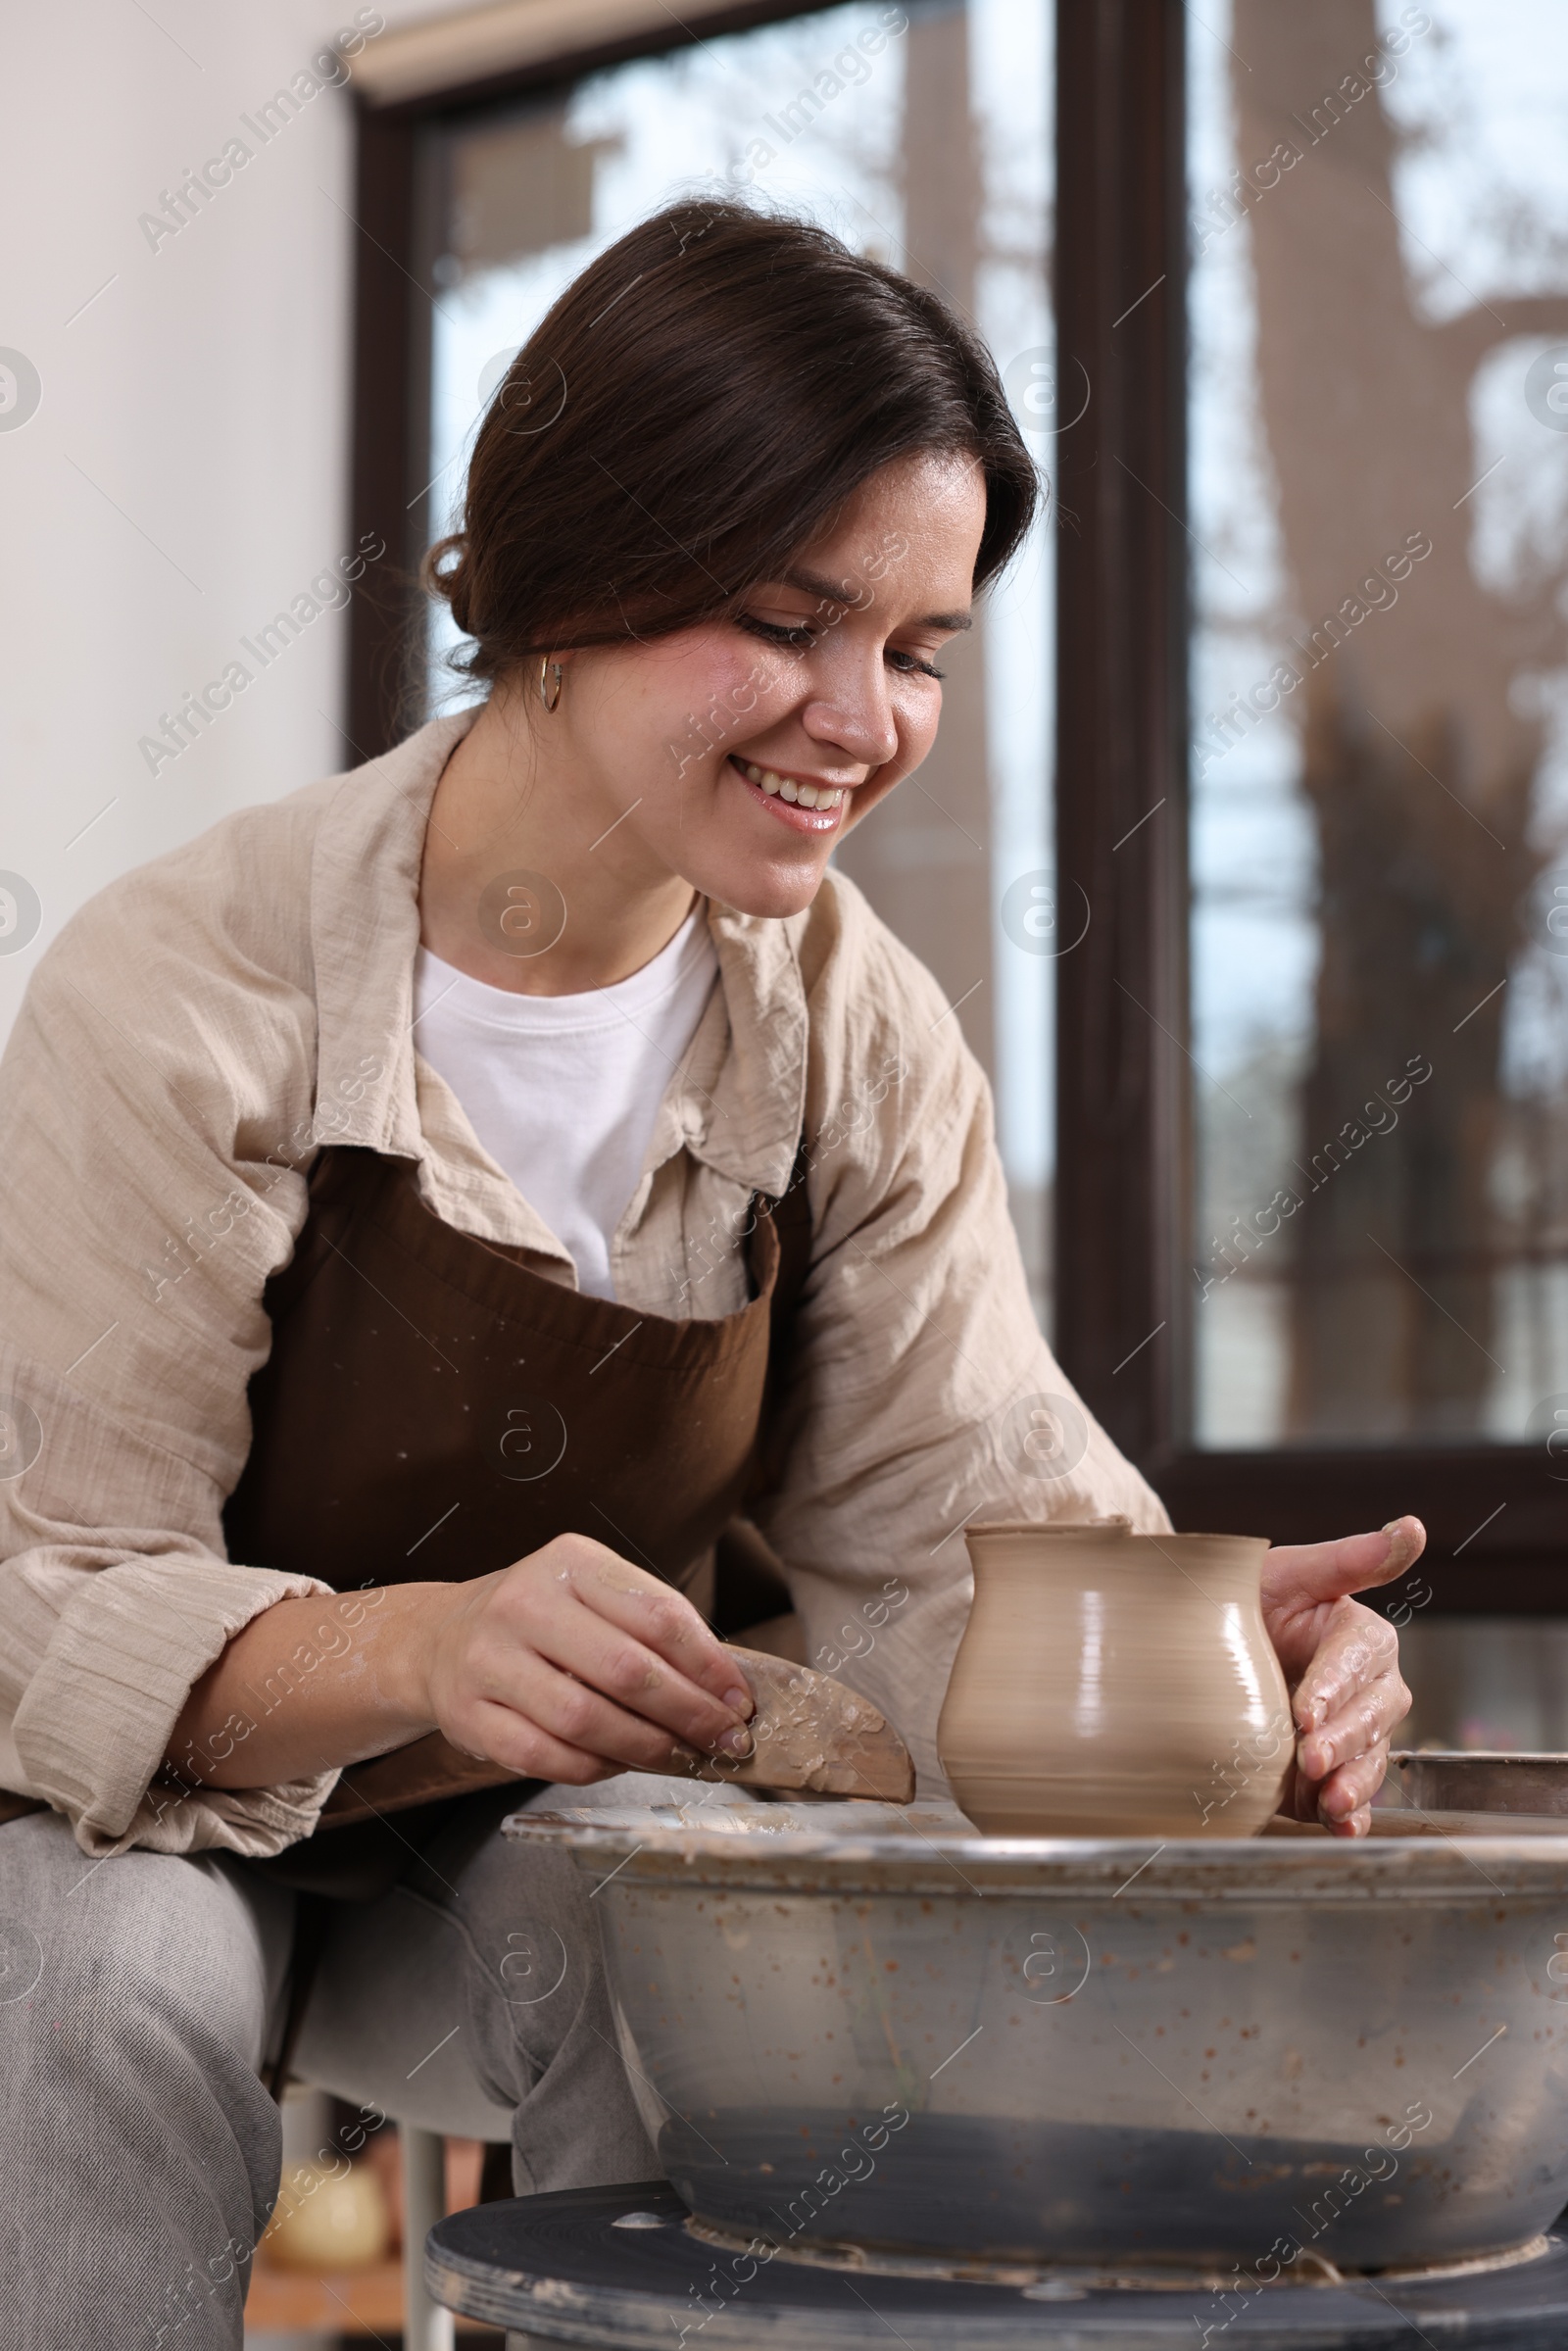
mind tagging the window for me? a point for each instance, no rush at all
(1379, 509)
(1315, 261)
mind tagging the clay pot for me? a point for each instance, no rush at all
(1115, 1684)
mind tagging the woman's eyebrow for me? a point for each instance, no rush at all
(827, 591)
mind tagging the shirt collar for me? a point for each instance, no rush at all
(740, 1097)
(745, 1080)
(364, 929)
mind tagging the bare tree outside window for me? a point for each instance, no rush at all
(1379, 791)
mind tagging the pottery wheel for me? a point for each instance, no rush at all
(569, 2269)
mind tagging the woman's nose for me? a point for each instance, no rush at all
(857, 717)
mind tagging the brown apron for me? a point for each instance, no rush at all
(433, 1409)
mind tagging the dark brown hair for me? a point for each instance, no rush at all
(695, 409)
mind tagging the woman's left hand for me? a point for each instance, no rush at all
(1342, 1664)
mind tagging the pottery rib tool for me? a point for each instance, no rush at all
(812, 1735)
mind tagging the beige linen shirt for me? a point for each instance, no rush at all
(204, 1023)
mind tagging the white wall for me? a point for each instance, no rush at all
(185, 473)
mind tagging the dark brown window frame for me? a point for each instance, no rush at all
(1498, 1524)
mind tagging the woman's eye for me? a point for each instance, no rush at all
(801, 635)
(798, 634)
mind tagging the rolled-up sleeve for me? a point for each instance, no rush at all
(107, 1628)
(155, 1103)
(923, 1395)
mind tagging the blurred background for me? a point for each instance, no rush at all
(1315, 268)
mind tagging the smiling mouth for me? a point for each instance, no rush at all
(806, 807)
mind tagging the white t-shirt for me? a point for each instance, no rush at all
(563, 1091)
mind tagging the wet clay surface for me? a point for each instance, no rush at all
(1115, 1684)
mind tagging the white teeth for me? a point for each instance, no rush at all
(806, 796)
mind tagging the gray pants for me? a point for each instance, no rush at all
(140, 1996)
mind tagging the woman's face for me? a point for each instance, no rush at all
(708, 747)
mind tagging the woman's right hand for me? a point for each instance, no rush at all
(573, 1664)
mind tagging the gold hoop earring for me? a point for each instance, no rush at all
(549, 682)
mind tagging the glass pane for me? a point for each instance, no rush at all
(920, 138)
(1379, 515)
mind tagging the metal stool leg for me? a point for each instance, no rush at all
(426, 2326)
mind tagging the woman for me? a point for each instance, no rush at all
(440, 1201)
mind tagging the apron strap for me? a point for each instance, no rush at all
(792, 1221)
(748, 1586)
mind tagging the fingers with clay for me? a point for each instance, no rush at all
(664, 1622)
(1350, 1695)
(572, 1663)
